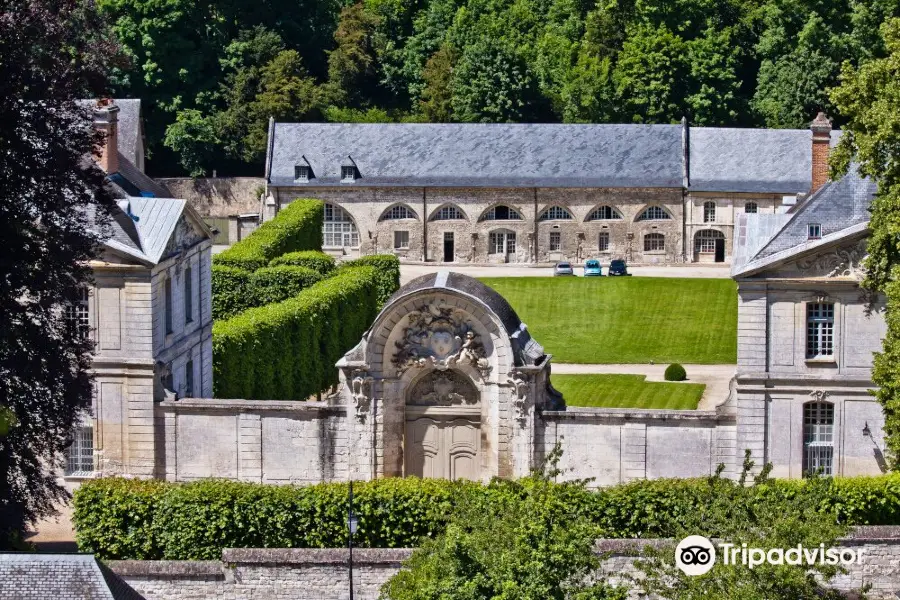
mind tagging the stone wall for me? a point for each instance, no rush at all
(322, 574)
(219, 196)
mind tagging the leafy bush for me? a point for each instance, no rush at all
(312, 259)
(275, 284)
(675, 372)
(388, 267)
(232, 291)
(298, 226)
(119, 518)
(287, 350)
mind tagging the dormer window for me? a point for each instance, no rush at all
(302, 173)
(814, 231)
(348, 174)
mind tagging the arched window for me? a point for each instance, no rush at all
(654, 242)
(501, 212)
(751, 208)
(653, 213)
(398, 211)
(705, 241)
(448, 212)
(604, 213)
(555, 213)
(818, 438)
(338, 230)
(709, 212)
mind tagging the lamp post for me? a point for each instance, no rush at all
(352, 524)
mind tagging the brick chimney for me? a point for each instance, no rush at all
(821, 145)
(106, 119)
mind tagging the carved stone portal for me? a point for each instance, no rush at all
(443, 388)
(843, 262)
(439, 336)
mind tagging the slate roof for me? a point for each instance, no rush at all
(840, 207)
(28, 576)
(129, 135)
(777, 161)
(142, 227)
(480, 155)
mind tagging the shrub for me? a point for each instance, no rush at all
(311, 259)
(675, 372)
(298, 226)
(232, 291)
(120, 519)
(275, 284)
(388, 267)
(287, 350)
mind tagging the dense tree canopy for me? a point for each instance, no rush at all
(200, 65)
(52, 52)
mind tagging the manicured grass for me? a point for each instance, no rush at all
(627, 391)
(628, 319)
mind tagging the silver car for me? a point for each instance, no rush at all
(563, 268)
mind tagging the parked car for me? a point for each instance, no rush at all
(563, 268)
(616, 268)
(592, 268)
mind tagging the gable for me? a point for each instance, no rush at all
(186, 234)
(840, 262)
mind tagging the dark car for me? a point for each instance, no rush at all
(617, 267)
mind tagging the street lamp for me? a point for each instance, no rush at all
(352, 524)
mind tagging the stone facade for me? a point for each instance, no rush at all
(313, 574)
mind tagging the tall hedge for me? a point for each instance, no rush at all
(298, 226)
(287, 350)
(276, 284)
(388, 267)
(311, 259)
(121, 519)
(232, 291)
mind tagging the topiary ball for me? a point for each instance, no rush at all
(675, 372)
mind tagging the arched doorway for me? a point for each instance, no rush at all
(443, 427)
(709, 246)
(338, 230)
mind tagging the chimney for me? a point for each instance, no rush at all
(106, 119)
(821, 145)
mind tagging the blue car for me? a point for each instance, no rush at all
(592, 268)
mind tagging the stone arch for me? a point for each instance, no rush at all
(339, 228)
(556, 212)
(599, 212)
(653, 212)
(445, 205)
(485, 215)
(391, 212)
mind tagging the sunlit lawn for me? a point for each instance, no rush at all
(627, 319)
(627, 391)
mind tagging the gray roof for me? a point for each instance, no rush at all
(143, 184)
(480, 155)
(130, 135)
(142, 227)
(750, 160)
(840, 207)
(28, 576)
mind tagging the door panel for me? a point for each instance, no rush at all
(443, 448)
(423, 456)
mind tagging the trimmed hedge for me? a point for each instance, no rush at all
(276, 284)
(675, 372)
(287, 350)
(122, 519)
(311, 259)
(232, 291)
(298, 226)
(388, 267)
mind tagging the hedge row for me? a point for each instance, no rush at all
(298, 226)
(287, 350)
(232, 291)
(388, 267)
(311, 259)
(235, 290)
(121, 519)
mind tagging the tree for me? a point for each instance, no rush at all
(741, 513)
(353, 70)
(437, 97)
(531, 544)
(868, 97)
(52, 52)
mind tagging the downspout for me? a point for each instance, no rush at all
(685, 183)
(534, 242)
(424, 226)
(766, 401)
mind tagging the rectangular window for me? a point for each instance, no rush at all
(709, 212)
(555, 241)
(819, 330)
(301, 173)
(401, 240)
(603, 244)
(189, 379)
(78, 315)
(168, 305)
(815, 231)
(348, 173)
(80, 455)
(188, 295)
(818, 438)
(654, 242)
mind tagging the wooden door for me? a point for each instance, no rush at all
(443, 447)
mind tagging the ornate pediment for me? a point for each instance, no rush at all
(439, 336)
(443, 388)
(845, 261)
(185, 236)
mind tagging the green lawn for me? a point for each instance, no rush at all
(627, 319)
(627, 391)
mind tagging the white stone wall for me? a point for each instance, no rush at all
(728, 207)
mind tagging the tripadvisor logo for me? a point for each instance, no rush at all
(696, 555)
